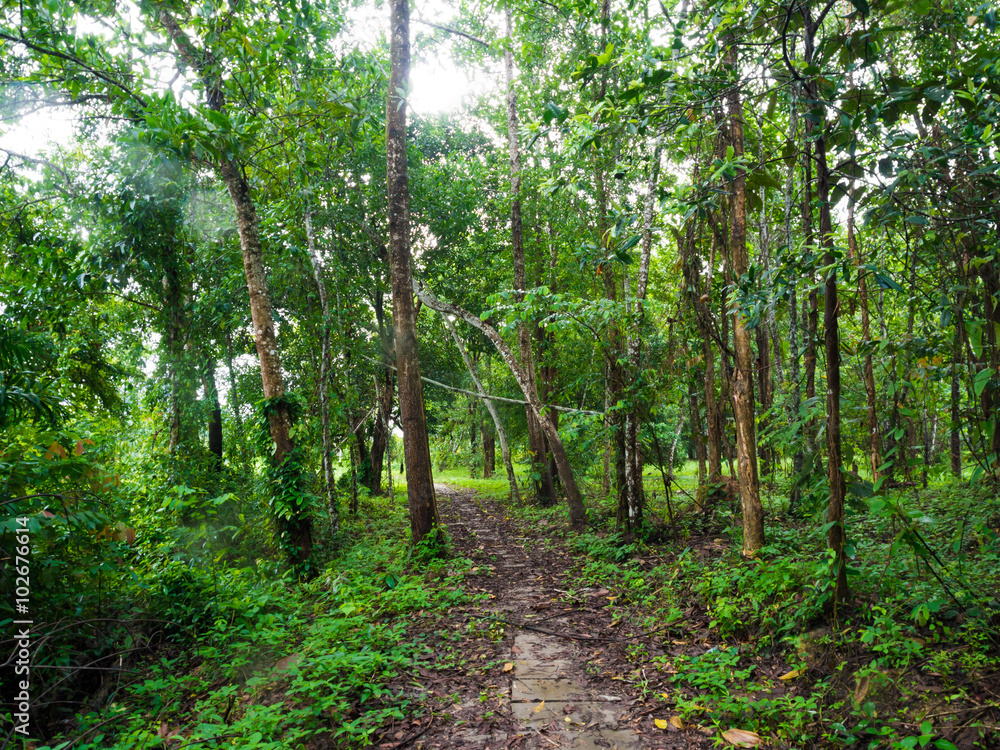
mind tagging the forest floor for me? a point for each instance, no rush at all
(564, 677)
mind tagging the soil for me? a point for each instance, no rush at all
(545, 665)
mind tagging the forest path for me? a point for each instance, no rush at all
(565, 679)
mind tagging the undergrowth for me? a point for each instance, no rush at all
(283, 662)
(909, 662)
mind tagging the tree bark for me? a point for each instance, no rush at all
(835, 477)
(419, 476)
(874, 439)
(326, 462)
(742, 389)
(489, 450)
(215, 413)
(544, 491)
(296, 527)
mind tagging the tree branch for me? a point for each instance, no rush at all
(456, 32)
(106, 77)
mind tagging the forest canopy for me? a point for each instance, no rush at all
(671, 273)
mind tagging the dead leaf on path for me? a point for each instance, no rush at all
(508, 666)
(862, 689)
(742, 737)
(676, 721)
(540, 707)
(792, 675)
(661, 723)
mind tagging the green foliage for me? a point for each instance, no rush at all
(274, 662)
(289, 501)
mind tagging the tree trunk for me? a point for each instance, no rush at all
(874, 440)
(544, 492)
(633, 454)
(955, 442)
(494, 415)
(326, 463)
(574, 498)
(473, 439)
(234, 398)
(489, 450)
(697, 436)
(419, 477)
(176, 326)
(215, 413)
(294, 524)
(297, 527)
(742, 389)
(385, 395)
(835, 477)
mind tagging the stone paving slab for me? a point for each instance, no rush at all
(536, 689)
(578, 714)
(602, 739)
(544, 670)
(538, 647)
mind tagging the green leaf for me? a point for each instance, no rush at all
(862, 7)
(980, 380)
(885, 282)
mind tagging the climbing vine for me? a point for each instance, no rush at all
(289, 501)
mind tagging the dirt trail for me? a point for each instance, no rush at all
(565, 680)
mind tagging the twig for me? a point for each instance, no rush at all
(407, 740)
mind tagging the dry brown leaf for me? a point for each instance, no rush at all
(861, 690)
(676, 722)
(508, 666)
(742, 737)
(792, 675)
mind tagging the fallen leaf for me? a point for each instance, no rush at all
(660, 723)
(742, 737)
(676, 721)
(791, 675)
(540, 707)
(862, 689)
(508, 666)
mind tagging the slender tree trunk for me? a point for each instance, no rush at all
(491, 408)
(298, 526)
(742, 390)
(697, 436)
(215, 413)
(234, 395)
(295, 525)
(633, 454)
(489, 450)
(173, 308)
(473, 439)
(835, 477)
(875, 441)
(697, 300)
(419, 476)
(811, 305)
(574, 498)
(329, 483)
(536, 437)
(955, 442)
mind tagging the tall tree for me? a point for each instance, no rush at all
(742, 389)
(416, 451)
